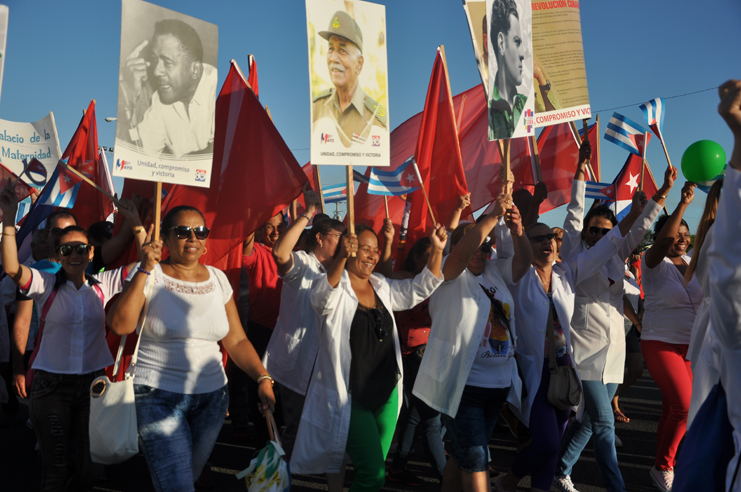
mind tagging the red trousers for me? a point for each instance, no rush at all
(671, 371)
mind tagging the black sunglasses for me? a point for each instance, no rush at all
(183, 232)
(67, 249)
(594, 230)
(543, 237)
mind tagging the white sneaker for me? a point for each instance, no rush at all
(564, 483)
(618, 442)
(663, 479)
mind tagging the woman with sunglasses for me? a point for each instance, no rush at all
(354, 397)
(671, 305)
(73, 350)
(180, 385)
(469, 369)
(597, 327)
(544, 301)
(294, 344)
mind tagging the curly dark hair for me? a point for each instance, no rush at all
(323, 227)
(600, 211)
(500, 12)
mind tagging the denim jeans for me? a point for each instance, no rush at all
(474, 422)
(177, 433)
(60, 411)
(598, 420)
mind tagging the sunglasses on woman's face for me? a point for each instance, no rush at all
(183, 232)
(543, 237)
(67, 249)
(594, 231)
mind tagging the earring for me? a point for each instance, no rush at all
(205, 250)
(321, 244)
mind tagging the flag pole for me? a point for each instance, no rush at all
(424, 190)
(90, 182)
(666, 153)
(536, 156)
(599, 155)
(319, 185)
(650, 173)
(350, 202)
(505, 172)
(386, 204)
(578, 142)
(643, 158)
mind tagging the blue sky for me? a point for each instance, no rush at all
(61, 54)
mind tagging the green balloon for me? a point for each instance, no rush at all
(703, 161)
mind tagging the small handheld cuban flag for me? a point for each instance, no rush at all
(334, 193)
(626, 133)
(653, 113)
(594, 190)
(400, 181)
(62, 188)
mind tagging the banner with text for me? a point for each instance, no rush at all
(560, 80)
(26, 141)
(349, 83)
(166, 96)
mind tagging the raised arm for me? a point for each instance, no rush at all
(523, 256)
(462, 253)
(533, 212)
(665, 238)
(730, 109)
(574, 221)
(124, 315)
(283, 249)
(131, 228)
(455, 215)
(348, 245)
(20, 274)
(386, 264)
(438, 238)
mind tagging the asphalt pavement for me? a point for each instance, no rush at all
(20, 467)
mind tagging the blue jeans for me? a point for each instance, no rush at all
(177, 433)
(474, 422)
(598, 420)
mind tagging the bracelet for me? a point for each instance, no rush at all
(140, 269)
(138, 230)
(266, 376)
(6, 234)
(662, 196)
(305, 216)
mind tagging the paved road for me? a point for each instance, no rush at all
(20, 468)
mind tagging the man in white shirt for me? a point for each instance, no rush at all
(180, 119)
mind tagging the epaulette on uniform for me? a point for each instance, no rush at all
(323, 94)
(381, 114)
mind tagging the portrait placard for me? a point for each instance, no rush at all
(166, 96)
(349, 83)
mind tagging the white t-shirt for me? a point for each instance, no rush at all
(495, 358)
(670, 305)
(179, 350)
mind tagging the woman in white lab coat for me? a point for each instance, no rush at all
(353, 398)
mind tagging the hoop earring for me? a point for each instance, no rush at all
(205, 250)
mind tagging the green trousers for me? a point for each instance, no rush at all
(368, 443)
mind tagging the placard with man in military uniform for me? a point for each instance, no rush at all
(349, 83)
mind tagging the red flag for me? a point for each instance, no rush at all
(629, 179)
(82, 151)
(438, 156)
(252, 79)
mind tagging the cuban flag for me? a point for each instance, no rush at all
(334, 193)
(402, 180)
(620, 192)
(594, 190)
(653, 113)
(62, 188)
(626, 133)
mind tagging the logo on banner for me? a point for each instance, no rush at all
(376, 141)
(123, 165)
(528, 120)
(326, 138)
(201, 174)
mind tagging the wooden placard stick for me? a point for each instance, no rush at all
(350, 202)
(386, 204)
(599, 155)
(506, 178)
(536, 159)
(576, 136)
(424, 190)
(157, 209)
(90, 182)
(643, 159)
(319, 185)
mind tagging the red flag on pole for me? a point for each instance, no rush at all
(438, 156)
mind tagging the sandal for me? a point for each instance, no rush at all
(620, 417)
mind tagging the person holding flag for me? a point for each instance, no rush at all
(598, 333)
